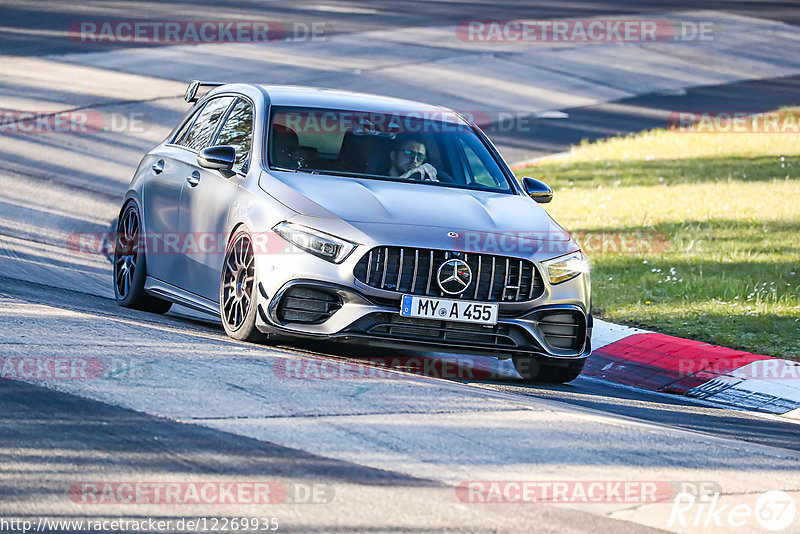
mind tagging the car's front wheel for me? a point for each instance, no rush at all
(532, 370)
(130, 266)
(237, 291)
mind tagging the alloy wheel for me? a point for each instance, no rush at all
(238, 281)
(126, 250)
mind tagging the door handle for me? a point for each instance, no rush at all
(193, 179)
(158, 166)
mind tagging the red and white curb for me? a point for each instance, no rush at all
(717, 374)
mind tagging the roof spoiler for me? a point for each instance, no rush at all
(191, 91)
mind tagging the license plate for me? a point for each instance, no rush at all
(462, 311)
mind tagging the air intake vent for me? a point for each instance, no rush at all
(393, 326)
(413, 271)
(563, 330)
(304, 304)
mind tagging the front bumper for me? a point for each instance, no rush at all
(549, 331)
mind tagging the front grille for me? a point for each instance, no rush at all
(413, 271)
(302, 304)
(447, 332)
(563, 330)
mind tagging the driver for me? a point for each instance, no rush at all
(408, 160)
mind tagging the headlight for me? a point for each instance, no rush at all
(566, 267)
(326, 246)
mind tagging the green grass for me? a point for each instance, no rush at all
(727, 206)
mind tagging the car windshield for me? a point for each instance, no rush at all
(402, 147)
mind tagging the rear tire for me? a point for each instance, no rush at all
(532, 370)
(130, 265)
(237, 290)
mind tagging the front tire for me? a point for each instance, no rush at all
(130, 265)
(532, 370)
(237, 289)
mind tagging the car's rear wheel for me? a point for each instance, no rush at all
(130, 265)
(532, 370)
(237, 292)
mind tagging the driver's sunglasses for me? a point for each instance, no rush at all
(413, 153)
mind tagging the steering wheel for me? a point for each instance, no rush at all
(444, 177)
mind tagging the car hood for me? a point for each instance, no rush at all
(365, 203)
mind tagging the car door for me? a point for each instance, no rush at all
(206, 201)
(166, 169)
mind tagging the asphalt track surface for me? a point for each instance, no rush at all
(49, 438)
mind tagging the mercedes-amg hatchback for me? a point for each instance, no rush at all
(297, 212)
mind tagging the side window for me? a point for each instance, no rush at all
(238, 133)
(205, 125)
(185, 128)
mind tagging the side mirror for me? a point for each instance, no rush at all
(537, 190)
(219, 158)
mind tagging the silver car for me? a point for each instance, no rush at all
(296, 212)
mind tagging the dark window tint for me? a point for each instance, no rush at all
(206, 123)
(238, 133)
(382, 146)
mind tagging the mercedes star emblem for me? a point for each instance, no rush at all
(454, 276)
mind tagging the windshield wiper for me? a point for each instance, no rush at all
(321, 171)
(348, 174)
(285, 169)
(333, 173)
